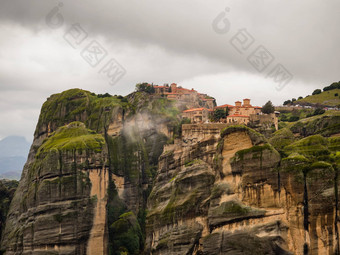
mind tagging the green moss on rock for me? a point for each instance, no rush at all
(311, 146)
(126, 235)
(231, 211)
(334, 144)
(326, 124)
(282, 138)
(255, 137)
(73, 137)
(256, 152)
(79, 105)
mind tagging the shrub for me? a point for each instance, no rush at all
(316, 92)
(284, 117)
(318, 111)
(104, 95)
(293, 118)
(287, 102)
(334, 85)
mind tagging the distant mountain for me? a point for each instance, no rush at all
(13, 155)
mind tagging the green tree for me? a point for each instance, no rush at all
(219, 114)
(316, 92)
(145, 87)
(268, 108)
(287, 102)
(334, 85)
(293, 118)
(227, 111)
(318, 111)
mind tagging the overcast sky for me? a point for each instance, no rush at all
(207, 45)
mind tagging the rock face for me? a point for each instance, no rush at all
(53, 209)
(232, 196)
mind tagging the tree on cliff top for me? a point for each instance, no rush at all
(145, 87)
(219, 114)
(268, 108)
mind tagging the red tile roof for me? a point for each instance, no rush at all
(225, 106)
(190, 90)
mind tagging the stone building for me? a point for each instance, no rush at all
(161, 89)
(238, 119)
(196, 115)
(240, 113)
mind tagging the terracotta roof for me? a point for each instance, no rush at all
(225, 106)
(238, 115)
(190, 90)
(257, 107)
(194, 109)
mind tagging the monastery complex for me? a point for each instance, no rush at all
(240, 113)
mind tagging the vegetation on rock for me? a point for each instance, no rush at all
(73, 137)
(268, 108)
(256, 137)
(126, 235)
(7, 189)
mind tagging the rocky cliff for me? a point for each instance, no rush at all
(238, 195)
(120, 175)
(89, 170)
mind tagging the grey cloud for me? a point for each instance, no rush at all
(303, 36)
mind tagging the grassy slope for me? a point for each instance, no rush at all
(325, 98)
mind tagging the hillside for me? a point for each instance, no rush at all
(326, 98)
